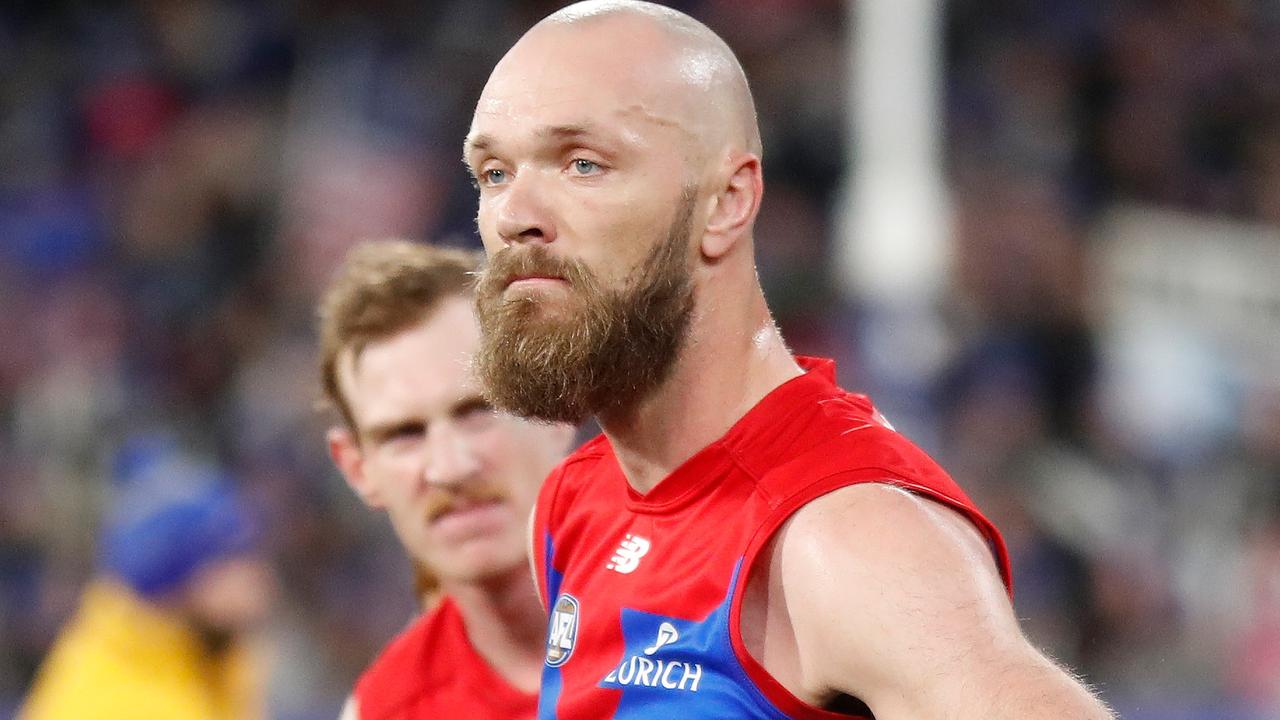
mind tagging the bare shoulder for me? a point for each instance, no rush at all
(883, 528)
(896, 599)
(895, 570)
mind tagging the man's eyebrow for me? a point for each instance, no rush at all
(566, 132)
(474, 144)
(468, 404)
(378, 432)
(484, 141)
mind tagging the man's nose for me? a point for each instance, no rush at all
(451, 459)
(524, 213)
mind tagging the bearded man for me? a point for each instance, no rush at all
(746, 539)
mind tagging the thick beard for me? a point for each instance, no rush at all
(610, 350)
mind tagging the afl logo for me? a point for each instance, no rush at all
(563, 630)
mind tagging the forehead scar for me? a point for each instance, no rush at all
(642, 113)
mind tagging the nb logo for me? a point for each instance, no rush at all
(627, 557)
(667, 634)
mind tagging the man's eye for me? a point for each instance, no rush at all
(407, 431)
(475, 412)
(493, 176)
(585, 167)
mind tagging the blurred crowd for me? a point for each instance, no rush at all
(181, 177)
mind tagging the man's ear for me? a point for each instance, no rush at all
(735, 205)
(345, 450)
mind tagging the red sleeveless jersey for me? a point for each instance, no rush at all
(644, 591)
(431, 671)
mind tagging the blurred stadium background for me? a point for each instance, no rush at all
(1074, 300)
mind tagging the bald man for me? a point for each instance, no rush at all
(745, 539)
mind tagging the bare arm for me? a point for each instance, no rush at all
(896, 600)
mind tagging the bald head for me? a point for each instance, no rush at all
(698, 57)
(603, 121)
(617, 159)
(671, 69)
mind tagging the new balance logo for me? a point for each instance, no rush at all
(627, 557)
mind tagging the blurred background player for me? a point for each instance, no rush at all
(456, 478)
(165, 631)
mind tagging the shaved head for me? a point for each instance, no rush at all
(701, 59)
(679, 71)
(617, 157)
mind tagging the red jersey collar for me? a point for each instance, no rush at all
(753, 433)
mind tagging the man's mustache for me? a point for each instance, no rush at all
(441, 502)
(513, 263)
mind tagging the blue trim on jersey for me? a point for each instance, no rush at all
(552, 683)
(673, 667)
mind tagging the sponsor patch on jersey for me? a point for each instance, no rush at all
(562, 632)
(662, 673)
(667, 634)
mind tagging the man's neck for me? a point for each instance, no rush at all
(731, 360)
(505, 624)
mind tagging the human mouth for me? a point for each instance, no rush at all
(534, 284)
(469, 517)
(534, 280)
